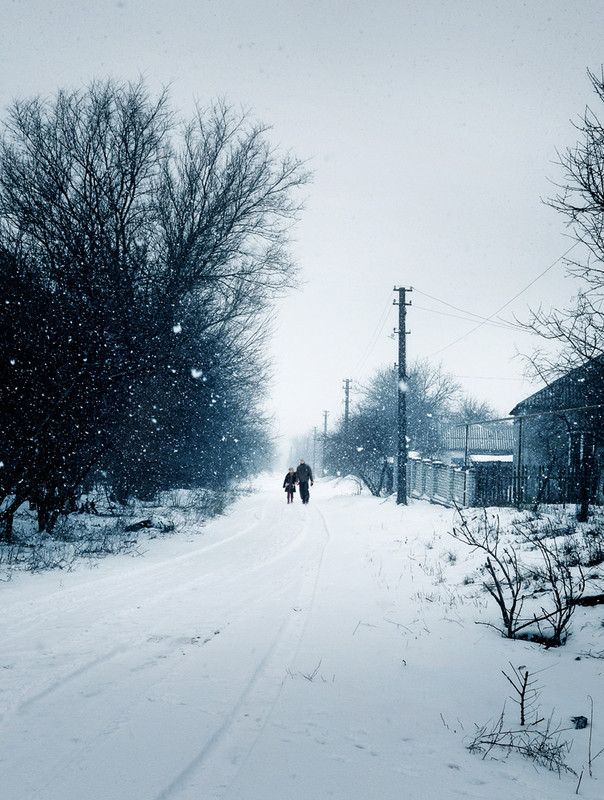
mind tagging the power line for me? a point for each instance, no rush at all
(455, 308)
(509, 302)
(514, 417)
(487, 377)
(506, 325)
(375, 335)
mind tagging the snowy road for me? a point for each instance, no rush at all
(284, 653)
(167, 664)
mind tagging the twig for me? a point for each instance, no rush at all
(579, 782)
(310, 676)
(591, 725)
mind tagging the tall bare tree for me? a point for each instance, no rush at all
(142, 254)
(575, 334)
(368, 444)
(578, 330)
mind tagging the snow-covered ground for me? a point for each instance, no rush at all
(281, 653)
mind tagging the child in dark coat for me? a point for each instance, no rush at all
(289, 484)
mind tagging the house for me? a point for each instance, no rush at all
(465, 445)
(559, 436)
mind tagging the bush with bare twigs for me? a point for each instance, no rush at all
(536, 739)
(528, 576)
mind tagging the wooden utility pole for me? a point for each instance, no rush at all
(519, 471)
(325, 414)
(401, 493)
(347, 382)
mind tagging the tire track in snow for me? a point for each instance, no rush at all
(113, 585)
(275, 548)
(214, 766)
(53, 687)
(103, 604)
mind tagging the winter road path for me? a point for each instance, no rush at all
(320, 652)
(174, 660)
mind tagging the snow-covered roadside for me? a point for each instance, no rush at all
(281, 653)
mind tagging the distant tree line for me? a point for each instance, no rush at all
(139, 255)
(365, 444)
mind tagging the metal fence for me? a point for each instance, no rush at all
(433, 480)
(541, 484)
(499, 483)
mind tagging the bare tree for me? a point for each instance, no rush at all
(574, 335)
(470, 409)
(367, 446)
(579, 330)
(142, 255)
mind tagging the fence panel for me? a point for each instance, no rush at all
(433, 480)
(499, 483)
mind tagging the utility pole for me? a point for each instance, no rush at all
(347, 382)
(314, 447)
(325, 413)
(401, 494)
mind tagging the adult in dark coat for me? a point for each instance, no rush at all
(304, 476)
(289, 484)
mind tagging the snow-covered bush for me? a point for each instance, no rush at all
(527, 572)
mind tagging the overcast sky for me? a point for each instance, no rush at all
(432, 130)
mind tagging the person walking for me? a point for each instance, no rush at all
(304, 476)
(289, 484)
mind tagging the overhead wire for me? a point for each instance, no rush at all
(375, 335)
(468, 315)
(455, 308)
(505, 325)
(532, 414)
(488, 378)
(506, 304)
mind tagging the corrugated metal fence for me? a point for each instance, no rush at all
(497, 483)
(433, 480)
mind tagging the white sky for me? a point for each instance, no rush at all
(432, 129)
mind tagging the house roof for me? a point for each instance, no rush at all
(489, 457)
(583, 385)
(493, 439)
